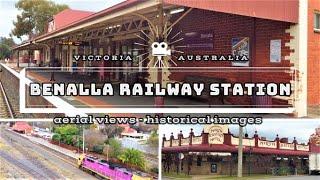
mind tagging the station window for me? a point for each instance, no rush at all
(317, 22)
(214, 168)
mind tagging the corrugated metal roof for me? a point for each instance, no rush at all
(69, 16)
(95, 16)
(21, 126)
(281, 10)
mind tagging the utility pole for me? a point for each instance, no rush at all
(240, 152)
(83, 139)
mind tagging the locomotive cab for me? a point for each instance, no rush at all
(80, 160)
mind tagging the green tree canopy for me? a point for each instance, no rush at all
(5, 44)
(34, 16)
(153, 140)
(7, 41)
(66, 133)
(115, 147)
(67, 130)
(133, 157)
(4, 51)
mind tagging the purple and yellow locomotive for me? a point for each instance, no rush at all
(108, 170)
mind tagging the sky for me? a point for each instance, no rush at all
(301, 129)
(8, 12)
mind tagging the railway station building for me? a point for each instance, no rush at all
(215, 151)
(280, 37)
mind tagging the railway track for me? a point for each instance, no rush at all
(38, 170)
(42, 159)
(23, 148)
(33, 172)
(5, 107)
(9, 107)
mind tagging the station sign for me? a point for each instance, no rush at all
(199, 40)
(74, 43)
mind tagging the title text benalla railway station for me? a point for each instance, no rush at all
(281, 39)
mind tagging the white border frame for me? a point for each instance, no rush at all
(68, 109)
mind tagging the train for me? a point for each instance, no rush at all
(109, 170)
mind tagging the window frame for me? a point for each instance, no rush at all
(316, 16)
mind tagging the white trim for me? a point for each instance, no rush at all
(163, 110)
(301, 104)
(61, 105)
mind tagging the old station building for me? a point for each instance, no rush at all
(215, 151)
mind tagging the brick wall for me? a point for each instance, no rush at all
(228, 26)
(313, 56)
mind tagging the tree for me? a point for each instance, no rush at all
(133, 157)
(34, 16)
(5, 44)
(111, 131)
(115, 148)
(141, 127)
(68, 129)
(4, 51)
(93, 138)
(7, 41)
(153, 140)
(77, 141)
(66, 133)
(56, 137)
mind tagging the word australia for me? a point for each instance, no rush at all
(212, 58)
(155, 89)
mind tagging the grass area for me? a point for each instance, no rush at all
(199, 177)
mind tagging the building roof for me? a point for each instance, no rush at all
(127, 129)
(281, 10)
(21, 126)
(69, 16)
(94, 16)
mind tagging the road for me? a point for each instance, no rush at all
(22, 159)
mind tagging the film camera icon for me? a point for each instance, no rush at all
(160, 50)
